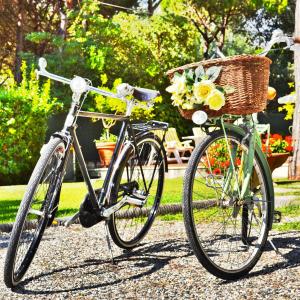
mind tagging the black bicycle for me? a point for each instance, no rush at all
(130, 196)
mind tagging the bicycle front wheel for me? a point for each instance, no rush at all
(227, 233)
(36, 212)
(140, 176)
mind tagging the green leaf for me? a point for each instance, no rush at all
(229, 89)
(213, 73)
(199, 72)
(221, 89)
(177, 74)
(189, 74)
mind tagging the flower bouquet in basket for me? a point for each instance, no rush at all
(193, 89)
(277, 149)
(233, 85)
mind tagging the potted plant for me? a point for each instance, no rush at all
(106, 144)
(277, 149)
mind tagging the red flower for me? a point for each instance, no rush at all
(277, 136)
(289, 148)
(227, 163)
(289, 139)
(237, 161)
(217, 171)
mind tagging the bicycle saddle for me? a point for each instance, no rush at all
(144, 94)
(124, 90)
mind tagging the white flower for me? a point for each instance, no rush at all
(178, 86)
(177, 100)
(187, 106)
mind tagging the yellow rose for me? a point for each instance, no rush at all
(202, 89)
(215, 100)
(178, 85)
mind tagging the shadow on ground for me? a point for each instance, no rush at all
(144, 260)
(289, 250)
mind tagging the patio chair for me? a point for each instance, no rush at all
(176, 147)
(198, 136)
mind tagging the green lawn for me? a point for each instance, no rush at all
(72, 195)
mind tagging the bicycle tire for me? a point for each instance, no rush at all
(215, 251)
(130, 224)
(34, 214)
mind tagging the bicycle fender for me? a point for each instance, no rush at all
(261, 156)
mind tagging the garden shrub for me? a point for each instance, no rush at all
(24, 111)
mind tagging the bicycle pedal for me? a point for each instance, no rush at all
(276, 216)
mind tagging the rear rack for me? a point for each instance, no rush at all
(151, 125)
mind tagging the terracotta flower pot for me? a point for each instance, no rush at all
(105, 151)
(276, 160)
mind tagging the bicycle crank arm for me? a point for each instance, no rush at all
(38, 213)
(106, 212)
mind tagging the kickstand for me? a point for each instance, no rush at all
(109, 244)
(274, 247)
(71, 220)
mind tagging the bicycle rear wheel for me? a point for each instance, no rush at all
(139, 179)
(36, 211)
(228, 233)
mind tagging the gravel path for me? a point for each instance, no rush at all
(74, 263)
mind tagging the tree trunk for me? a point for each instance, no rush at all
(63, 19)
(152, 5)
(19, 41)
(295, 162)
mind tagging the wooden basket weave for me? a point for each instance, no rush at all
(248, 74)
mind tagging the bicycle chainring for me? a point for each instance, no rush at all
(88, 216)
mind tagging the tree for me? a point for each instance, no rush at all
(20, 17)
(295, 163)
(213, 18)
(153, 5)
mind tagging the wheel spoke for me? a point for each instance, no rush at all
(230, 235)
(145, 167)
(37, 208)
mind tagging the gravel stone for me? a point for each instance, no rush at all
(74, 263)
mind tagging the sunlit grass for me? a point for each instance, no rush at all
(73, 194)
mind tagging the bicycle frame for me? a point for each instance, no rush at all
(247, 129)
(68, 134)
(247, 161)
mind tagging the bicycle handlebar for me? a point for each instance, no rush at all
(75, 82)
(279, 37)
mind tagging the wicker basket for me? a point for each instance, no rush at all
(248, 74)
